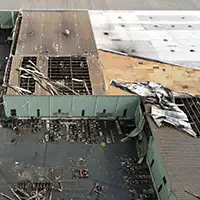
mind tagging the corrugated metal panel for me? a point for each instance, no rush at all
(180, 156)
(73, 105)
(7, 19)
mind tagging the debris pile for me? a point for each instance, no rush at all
(85, 131)
(164, 109)
(29, 188)
(97, 191)
(138, 179)
(80, 170)
(33, 190)
(77, 130)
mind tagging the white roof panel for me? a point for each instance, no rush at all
(168, 36)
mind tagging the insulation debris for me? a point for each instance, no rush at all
(163, 110)
(137, 175)
(35, 184)
(53, 87)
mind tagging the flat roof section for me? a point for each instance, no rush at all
(138, 70)
(56, 33)
(167, 36)
(57, 41)
(102, 4)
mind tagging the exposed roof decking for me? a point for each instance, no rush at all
(133, 69)
(96, 75)
(43, 33)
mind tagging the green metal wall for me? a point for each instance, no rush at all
(73, 105)
(158, 172)
(7, 19)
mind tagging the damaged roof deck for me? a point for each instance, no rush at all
(47, 35)
(132, 69)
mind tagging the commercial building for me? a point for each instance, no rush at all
(54, 71)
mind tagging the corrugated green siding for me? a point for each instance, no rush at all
(158, 172)
(7, 19)
(73, 105)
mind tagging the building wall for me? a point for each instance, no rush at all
(158, 172)
(7, 19)
(71, 105)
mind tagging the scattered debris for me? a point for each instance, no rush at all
(67, 32)
(53, 87)
(81, 131)
(80, 173)
(138, 175)
(84, 83)
(6, 196)
(37, 190)
(13, 140)
(163, 110)
(97, 191)
(193, 194)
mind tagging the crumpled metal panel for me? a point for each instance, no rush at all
(163, 109)
(177, 119)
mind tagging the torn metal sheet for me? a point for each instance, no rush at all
(175, 118)
(163, 110)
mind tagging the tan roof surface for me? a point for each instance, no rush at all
(127, 68)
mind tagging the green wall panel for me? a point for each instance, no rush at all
(158, 172)
(7, 19)
(108, 103)
(86, 103)
(127, 103)
(59, 102)
(73, 105)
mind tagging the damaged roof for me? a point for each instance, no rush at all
(61, 45)
(180, 155)
(139, 70)
(166, 36)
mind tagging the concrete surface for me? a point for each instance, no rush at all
(28, 155)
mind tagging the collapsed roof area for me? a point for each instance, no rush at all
(53, 53)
